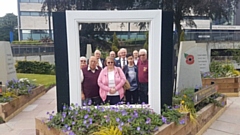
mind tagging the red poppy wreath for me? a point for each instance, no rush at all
(189, 59)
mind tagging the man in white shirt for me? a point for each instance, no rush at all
(119, 55)
(123, 60)
(135, 57)
(97, 54)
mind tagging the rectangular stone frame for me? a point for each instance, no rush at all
(154, 17)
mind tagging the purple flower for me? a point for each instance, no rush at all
(119, 127)
(90, 102)
(66, 126)
(71, 133)
(138, 128)
(64, 107)
(51, 117)
(84, 122)
(164, 119)
(86, 116)
(73, 123)
(223, 103)
(62, 120)
(182, 122)
(52, 111)
(47, 113)
(148, 121)
(69, 128)
(117, 119)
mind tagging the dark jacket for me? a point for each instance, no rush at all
(118, 62)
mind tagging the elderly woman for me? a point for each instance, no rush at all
(111, 81)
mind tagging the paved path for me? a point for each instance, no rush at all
(24, 122)
(229, 122)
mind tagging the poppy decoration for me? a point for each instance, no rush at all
(189, 59)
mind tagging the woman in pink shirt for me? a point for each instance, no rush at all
(111, 81)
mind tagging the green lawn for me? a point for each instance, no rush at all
(45, 80)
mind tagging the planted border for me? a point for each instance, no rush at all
(228, 86)
(203, 117)
(9, 109)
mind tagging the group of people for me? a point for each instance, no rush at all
(103, 80)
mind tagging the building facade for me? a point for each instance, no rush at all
(32, 24)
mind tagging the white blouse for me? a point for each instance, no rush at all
(111, 83)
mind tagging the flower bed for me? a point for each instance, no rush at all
(130, 121)
(225, 76)
(11, 108)
(227, 86)
(203, 117)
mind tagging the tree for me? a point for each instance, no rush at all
(214, 9)
(8, 23)
(90, 33)
(145, 46)
(115, 43)
(182, 36)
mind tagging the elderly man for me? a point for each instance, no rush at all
(135, 57)
(97, 54)
(90, 88)
(122, 60)
(112, 54)
(119, 55)
(143, 76)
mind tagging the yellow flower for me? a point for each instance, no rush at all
(184, 96)
(182, 102)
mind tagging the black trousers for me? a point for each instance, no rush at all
(113, 100)
(132, 97)
(143, 92)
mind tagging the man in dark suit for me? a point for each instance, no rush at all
(123, 60)
(101, 61)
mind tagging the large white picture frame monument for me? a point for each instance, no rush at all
(154, 17)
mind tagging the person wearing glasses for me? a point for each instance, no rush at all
(111, 81)
(90, 88)
(143, 76)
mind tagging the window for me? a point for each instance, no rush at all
(32, 1)
(27, 1)
(29, 13)
(34, 13)
(25, 13)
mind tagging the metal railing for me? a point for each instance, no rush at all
(212, 36)
(32, 50)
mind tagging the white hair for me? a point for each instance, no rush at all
(83, 58)
(112, 52)
(123, 49)
(143, 51)
(97, 51)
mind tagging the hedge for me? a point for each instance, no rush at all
(35, 67)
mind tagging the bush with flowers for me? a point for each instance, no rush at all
(16, 88)
(184, 101)
(221, 69)
(124, 119)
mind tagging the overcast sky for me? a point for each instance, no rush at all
(8, 6)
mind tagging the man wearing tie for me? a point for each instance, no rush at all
(123, 60)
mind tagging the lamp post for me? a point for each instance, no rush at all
(211, 29)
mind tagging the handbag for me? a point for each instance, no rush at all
(126, 85)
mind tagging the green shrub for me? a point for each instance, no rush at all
(35, 67)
